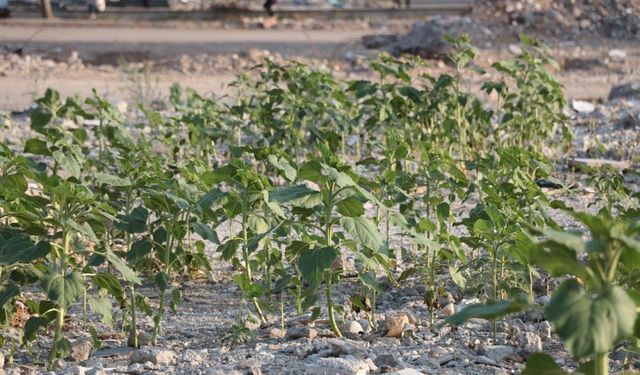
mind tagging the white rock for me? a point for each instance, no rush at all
(530, 342)
(406, 371)
(497, 352)
(515, 49)
(346, 347)
(448, 310)
(617, 54)
(544, 329)
(338, 366)
(353, 327)
(75, 370)
(582, 106)
(155, 356)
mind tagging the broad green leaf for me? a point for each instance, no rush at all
(110, 283)
(63, 290)
(37, 147)
(257, 224)
(291, 193)
(542, 364)
(206, 232)
(229, 248)
(314, 262)
(128, 274)
(587, 323)
(350, 207)
(68, 162)
(111, 180)
(284, 166)
(22, 250)
(103, 307)
(210, 198)
(139, 250)
(364, 231)
(162, 281)
(491, 311)
(8, 294)
(33, 325)
(133, 222)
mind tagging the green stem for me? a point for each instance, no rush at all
(61, 309)
(329, 242)
(158, 318)
(601, 364)
(247, 264)
(332, 318)
(134, 323)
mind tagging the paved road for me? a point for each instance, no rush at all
(159, 42)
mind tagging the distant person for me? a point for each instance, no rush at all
(267, 6)
(407, 3)
(4, 9)
(98, 6)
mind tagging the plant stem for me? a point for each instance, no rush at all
(328, 232)
(61, 309)
(247, 264)
(601, 364)
(134, 324)
(332, 318)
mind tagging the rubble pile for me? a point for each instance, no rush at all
(612, 18)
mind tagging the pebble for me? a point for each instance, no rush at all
(338, 366)
(496, 352)
(144, 339)
(295, 333)
(344, 346)
(135, 368)
(80, 350)
(395, 325)
(386, 362)
(544, 329)
(353, 328)
(155, 356)
(76, 370)
(617, 54)
(448, 310)
(582, 106)
(276, 333)
(530, 342)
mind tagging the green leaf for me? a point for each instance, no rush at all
(491, 311)
(590, 324)
(63, 290)
(22, 250)
(128, 274)
(110, 283)
(111, 180)
(206, 232)
(314, 262)
(37, 147)
(33, 325)
(364, 231)
(542, 364)
(210, 198)
(103, 307)
(350, 207)
(68, 162)
(133, 222)
(229, 249)
(162, 281)
(8, 294)
(291, 193)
